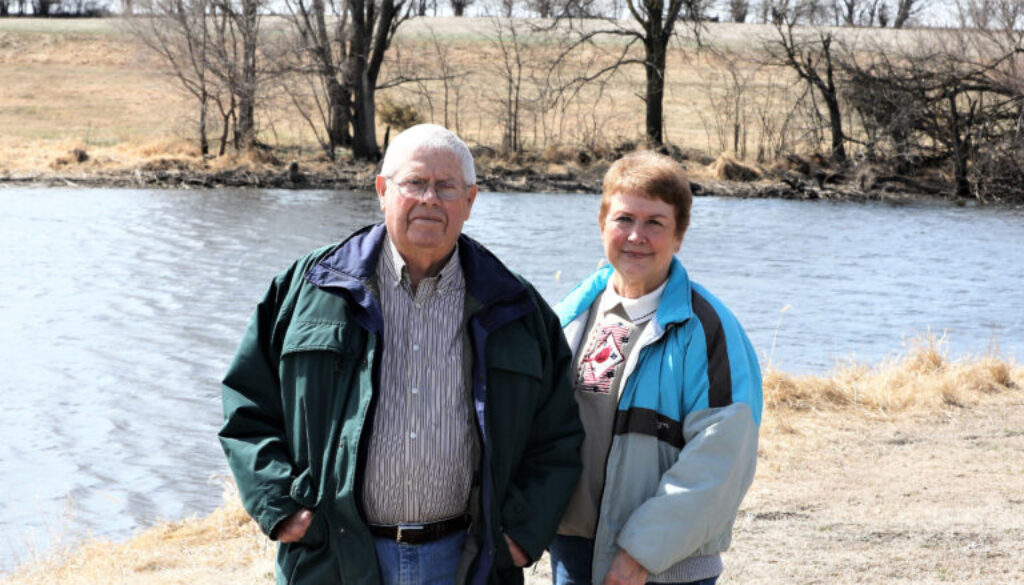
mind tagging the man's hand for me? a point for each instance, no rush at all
(625, 571)
(294, 527)
(518, 556)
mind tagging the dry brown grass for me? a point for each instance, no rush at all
(923, 378)
(910, 472)
(224, 547)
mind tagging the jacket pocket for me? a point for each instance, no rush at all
(318, 362)
(316, 534)
(515, 508)
(329, 336)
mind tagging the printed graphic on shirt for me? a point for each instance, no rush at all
(597, 368)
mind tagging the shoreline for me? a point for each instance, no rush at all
(536, 177)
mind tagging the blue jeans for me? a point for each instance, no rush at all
(571, 558)
(431, 563)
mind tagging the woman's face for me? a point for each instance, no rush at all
(639, 235)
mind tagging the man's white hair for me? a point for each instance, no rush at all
(429, 137)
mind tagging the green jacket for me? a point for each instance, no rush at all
(299, 399)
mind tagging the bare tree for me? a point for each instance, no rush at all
(728, 82)
(542, 8)
(905, 9)
(657, 20)
(980, 14)
(233, 58)
(426, 76)
(321, 34)
(43, 7)
(179, 32)
(459, 6)
(883, 15)
(511, 69)
(811, 57)
(861, 12)
(342, 44)
(738, 10)
(374, 23)
(953, 100)
(847, 10)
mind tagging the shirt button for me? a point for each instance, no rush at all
(415, 347)
(412, 435)
(415, 390)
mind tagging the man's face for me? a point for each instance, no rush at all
(423, 226)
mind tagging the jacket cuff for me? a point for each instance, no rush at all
(272, 515)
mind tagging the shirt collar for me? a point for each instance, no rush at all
(450, 277)
(638, 310)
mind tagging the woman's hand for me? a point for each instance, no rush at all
(625, 571)
(519, 557)
(294, 527)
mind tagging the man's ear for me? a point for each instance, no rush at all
(382, 188)
(470, 198)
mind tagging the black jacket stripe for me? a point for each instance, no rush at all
(648, 422)
(719, 378)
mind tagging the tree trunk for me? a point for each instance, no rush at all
(228, 120)
(655, 70)
(339, 105)
(831, 95)
(204, 141)
(364, 143)
(961, 148)
(836, 123)
(903, 9)
(245, 131)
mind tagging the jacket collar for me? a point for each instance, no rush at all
(675, 307)
(348, 268)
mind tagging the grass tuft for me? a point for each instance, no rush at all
(923, 378)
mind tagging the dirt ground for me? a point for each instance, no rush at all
(934, 497)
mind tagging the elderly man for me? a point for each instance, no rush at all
(400, 409)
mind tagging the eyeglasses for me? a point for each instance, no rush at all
(417, 189)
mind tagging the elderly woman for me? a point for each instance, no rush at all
(669, 391)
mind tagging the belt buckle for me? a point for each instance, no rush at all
(403, 529)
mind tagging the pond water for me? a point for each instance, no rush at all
(120, 310)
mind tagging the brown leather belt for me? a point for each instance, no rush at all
(420, 533)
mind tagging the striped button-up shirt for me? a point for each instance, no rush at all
(421, 453)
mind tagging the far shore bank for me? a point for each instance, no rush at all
(492, 175)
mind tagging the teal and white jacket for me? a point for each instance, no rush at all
(684, 447)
